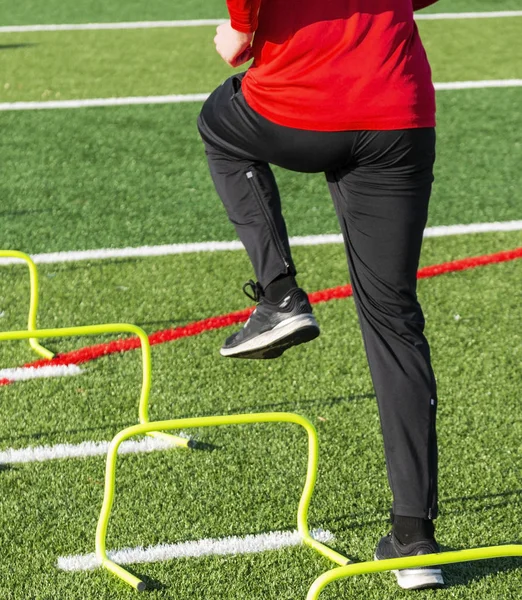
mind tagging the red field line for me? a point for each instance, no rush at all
(160, 337)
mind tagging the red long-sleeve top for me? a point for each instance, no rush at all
(337, 65)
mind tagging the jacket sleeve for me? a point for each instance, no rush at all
(418, 4)
(243, 14)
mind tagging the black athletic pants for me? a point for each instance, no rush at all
(380, 182)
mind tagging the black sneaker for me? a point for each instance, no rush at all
(411, 579)
(273, 328)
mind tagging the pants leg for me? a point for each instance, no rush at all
(381, 201)
(240, 144)
(245, 182)
(381, 184)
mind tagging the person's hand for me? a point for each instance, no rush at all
(233, 46)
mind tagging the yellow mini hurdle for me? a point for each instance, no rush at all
(189, 423)
(33, 302)
(157, 429)
(346, 569)
(87, 330)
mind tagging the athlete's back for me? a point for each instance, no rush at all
(354, 64)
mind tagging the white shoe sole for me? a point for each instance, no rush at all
(419, 578)
(276, 336)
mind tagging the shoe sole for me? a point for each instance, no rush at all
(271, 344)
(419, 578)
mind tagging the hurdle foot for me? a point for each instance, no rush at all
(124, 575)
(327, 552)
(171, 439)
(40, 350)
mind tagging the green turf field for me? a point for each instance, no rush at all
(114, 177)
(123, 159)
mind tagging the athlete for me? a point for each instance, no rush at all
(342, 87)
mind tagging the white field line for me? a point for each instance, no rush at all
(82, 450)
(478, 85)
(24, 373)
(179, 98)
(445, 230)
(249, 544)
(213, 22)
(111, 26)
(494, 14)
(99, 102)
(308, 240)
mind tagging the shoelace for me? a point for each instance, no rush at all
(255, 288)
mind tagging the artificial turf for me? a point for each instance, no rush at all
(193, 287)
(119, 177)
(252, 475)
(129, 176)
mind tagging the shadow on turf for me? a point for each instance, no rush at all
(295, 406)
(203, 446)
(193, 444)
(15, 46)
(507, 498)
(354, 521)
(461, 574)
(198, 445)
(170, 322)
(112, 429)
(22, 213)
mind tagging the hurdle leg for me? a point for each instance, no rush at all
(33, 302)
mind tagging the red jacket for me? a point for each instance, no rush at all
(335, 65)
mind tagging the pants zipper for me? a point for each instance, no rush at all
(431, 466)
(268, 219)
